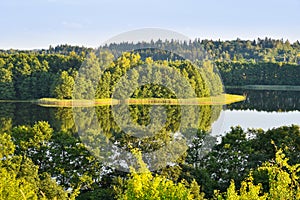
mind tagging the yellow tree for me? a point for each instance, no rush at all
(143, 185)
(283, 182)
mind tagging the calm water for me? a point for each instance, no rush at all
(261, 109)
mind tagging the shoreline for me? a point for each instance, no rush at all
(266, 87)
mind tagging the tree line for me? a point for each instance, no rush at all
(262, 73)
(260, 49)
(52, 72)
(33, 76)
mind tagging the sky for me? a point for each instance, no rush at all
(33, 24)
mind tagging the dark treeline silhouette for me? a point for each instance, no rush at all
(267, 100)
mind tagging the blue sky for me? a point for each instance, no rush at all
(39, 23)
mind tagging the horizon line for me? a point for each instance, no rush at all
(143, 41)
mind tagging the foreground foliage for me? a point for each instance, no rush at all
(19, 177)
(239, 153)
(143, 185)
(40, 163)
(283, 182)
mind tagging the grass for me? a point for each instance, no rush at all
(214, 100)
(52, 102)
(17, 101)
(268, 87)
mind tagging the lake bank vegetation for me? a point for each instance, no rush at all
(222, 99)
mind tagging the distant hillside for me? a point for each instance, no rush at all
(267, 50)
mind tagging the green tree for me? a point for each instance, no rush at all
(19, 178)
(282, 178)
(63, 87)
(143, 185)
(7, 90)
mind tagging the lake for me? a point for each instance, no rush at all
(261, 109)
(160, 131)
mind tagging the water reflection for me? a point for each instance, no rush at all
(262, 109)
(266, 100)
(13, 114)
(111, 137)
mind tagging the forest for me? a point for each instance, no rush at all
(55, 160)
(262, 166)
(23, 73)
